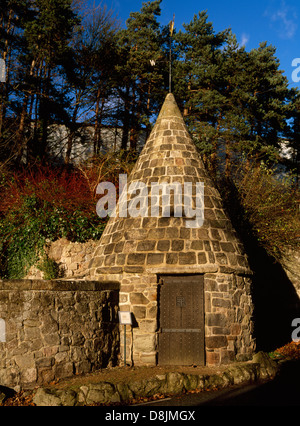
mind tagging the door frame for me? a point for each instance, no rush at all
(161, 283)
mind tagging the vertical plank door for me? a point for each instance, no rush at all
(181, 338)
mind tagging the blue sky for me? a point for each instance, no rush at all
(254, 21)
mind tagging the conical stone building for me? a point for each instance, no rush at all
(184, 278)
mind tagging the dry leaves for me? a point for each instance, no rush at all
(23, 399)
(291, 350)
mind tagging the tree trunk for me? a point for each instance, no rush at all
(20, 132)
(69, 147)
(98, 120)
(71, 135)
(45, 116)
(5, 54)
(227, 159)
(126, 122)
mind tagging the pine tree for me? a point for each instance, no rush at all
(13, 15)
(138, 84)
(233, 100)
(198, 81)
(293, 133)
(232, 127)
(267, 101)
(47, 38)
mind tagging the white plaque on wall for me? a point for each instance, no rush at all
(2, 331)
(125, 318)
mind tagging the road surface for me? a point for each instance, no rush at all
(283, 391)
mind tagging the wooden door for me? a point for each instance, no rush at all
(181, 338)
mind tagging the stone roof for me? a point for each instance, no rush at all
(169, 244)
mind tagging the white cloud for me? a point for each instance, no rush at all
(245, 39)
(285, 20)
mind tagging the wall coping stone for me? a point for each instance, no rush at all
(197, 269)
(58, 285)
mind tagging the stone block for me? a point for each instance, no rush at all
(148, 326)
(159, 171)
(172, 258)
(148, 358)
(163, 245)
(215, 319)
(155, 258)
(236, 329)
(202, 258)
(63, 370)
(45, 398)
(220, 331)
(185, 233)
(202, 234)
(215, 342)
(172, 232)
(45, 375)
(139, 312)
(110, 260)
(119, 247)
(175, 171)
(25, 361)
(177, 245)
(227, 247)
(163, 222)
(138, 299)
(144, 343)
(32, 333)
(52, 339)
(134, 269)
(109, 248)
(197, 245)
(121, 259)
(83, 367)
(151, 312)
(221, 303)
(150, 222)
(136, 259)
(146, 245)
(45, 362)
(187, 258)
(221, 258)
(242, 261)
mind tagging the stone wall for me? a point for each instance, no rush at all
(54, 329)
(291, 265)
(228, 317)
(72, 258)
(137, 249)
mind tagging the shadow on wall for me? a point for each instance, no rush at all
(276, 302)
(108, 343)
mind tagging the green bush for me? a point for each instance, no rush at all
(35, 211)
(50, 268)
(266, 204)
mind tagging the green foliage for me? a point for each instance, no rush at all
(50, 268)
(140, 86)
(265, 205)
(20, 239)
(35, 213)
(44, 204)
(71, 67)
(230, 94)
(62, 69)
